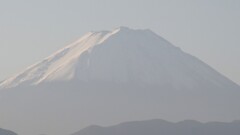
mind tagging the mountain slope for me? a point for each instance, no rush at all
(6, 132)
(160, 127)
(113, 76)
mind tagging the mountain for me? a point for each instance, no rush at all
(109, 77)
(6, 132)
(161, 127)
(122, 56)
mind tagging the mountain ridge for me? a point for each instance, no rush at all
(159, 126)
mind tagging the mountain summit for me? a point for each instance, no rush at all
(122, 55)
(109, 77)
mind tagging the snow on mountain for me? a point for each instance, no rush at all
(122, 55)
(60, 65)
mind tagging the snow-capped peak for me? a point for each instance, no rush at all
(122, 55)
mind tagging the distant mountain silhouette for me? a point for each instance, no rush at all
(161, 127)
(6, 132)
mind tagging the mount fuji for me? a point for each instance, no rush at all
(114, 76)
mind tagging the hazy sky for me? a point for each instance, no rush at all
(208, 29)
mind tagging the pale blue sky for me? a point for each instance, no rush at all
(208, 29)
